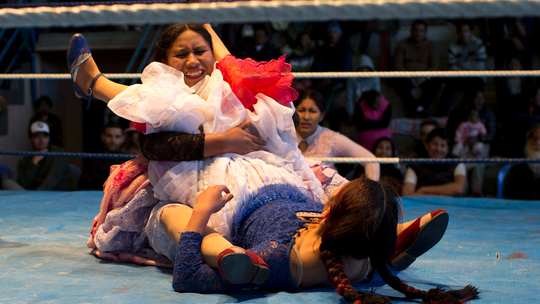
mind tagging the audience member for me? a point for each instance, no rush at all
(417, 53)
(131, 141)
(523, 180)
(3, 106)
(43, 106)
(262, 48)
(468, 53)
(43, 172)
(511, 38)
(384, 147)
(420, 148)
(302, 59)
(372, 116)
(96, 170)
(466, 140)
(473, 98)
(435, 179)
(524, 118)
(317, 141)
(335, 55)
(358, 86)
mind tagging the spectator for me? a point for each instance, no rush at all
(43, 106)
(467, 136)
(384, 147)
(317, 141)
(372, 116)
(262, 48)
(511, 38)
(420, 149)
(523, 180)
(302, 59)
(435, 179)
(334, 56)
(131, 141)
(303, 56)
(43, 172)
(468, 53)
(417, 53)
(524, 118)
(474, 98)
(96, 170)
(358, 86)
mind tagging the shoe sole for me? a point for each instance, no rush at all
(426, 238)
(239, 269)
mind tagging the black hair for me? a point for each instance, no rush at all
(440, 132)
(168, 37)
(461, 23)
(43, 98)
(381, 139)
(311, 94)
(419, 21)
(112, 124)
(429, 122)
(361, 223)
(370, 97)
(533, 92)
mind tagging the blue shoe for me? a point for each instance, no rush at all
(77, 48)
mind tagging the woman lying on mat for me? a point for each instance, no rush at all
(165, 217)
(332, 245)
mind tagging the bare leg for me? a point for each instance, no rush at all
(104, 89)
(175, 218)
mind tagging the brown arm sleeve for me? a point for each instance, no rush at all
(172, 146)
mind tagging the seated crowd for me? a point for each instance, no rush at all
(469, 127)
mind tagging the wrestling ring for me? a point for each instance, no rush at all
(493, 244)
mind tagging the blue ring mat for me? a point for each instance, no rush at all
(43, 255)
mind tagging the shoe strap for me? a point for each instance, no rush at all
(91, 89)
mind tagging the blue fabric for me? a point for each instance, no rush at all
(266, 226)
(44, 258)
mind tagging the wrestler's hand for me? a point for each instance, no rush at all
(212, 199)
(239, 140)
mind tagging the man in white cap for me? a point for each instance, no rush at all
(43, 172)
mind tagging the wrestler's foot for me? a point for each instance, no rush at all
(424, 233)
(239, 266)
(82, 67)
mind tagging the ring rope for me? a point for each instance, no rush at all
(112, 13)
(428, 74)
(343, 160)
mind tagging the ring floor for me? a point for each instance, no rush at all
(492, 244)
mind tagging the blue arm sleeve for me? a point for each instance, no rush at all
(191, 274)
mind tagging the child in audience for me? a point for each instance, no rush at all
(467, 135)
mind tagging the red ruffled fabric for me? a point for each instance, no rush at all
(248, 78)
(140, 127)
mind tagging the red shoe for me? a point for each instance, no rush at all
(419, 237)
(239, 266)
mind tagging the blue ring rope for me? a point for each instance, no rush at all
(401, 160)
(70, 154)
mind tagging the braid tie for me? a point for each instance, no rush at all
(342, 284)
(433, 296)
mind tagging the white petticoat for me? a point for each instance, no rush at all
(165, 103)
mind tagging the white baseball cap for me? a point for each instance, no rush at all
(39, 126)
